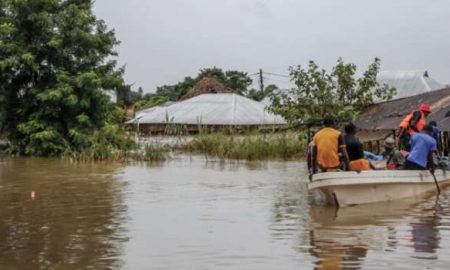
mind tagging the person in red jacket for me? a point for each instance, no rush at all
(412, 123)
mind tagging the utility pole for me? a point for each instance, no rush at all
(261, 80)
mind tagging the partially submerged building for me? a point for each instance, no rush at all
(210, 106)
(383, 119)
(143, 112)
(209, 110)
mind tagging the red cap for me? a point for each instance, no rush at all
(425, 107)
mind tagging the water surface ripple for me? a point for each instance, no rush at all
(192, 214)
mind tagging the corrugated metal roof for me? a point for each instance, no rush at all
(408, 83)
(211, 109)
(388, 115)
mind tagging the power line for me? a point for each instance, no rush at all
(260, 78)
(270, 73)
(279, 75)
(275, 81)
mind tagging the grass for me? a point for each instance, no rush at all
(151, 152)
(250, 146)
(222, 145)
(132, 151)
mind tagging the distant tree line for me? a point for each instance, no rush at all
(239, 81)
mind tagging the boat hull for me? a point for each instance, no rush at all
(352, 188)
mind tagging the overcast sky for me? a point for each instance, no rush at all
(162, 41)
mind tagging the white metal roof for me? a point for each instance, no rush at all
(266, 102)
(143, 112)
(408, 83)
(211, 109)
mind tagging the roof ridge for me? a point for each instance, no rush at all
(424, 81)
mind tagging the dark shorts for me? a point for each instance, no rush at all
(405, 142)
(409, 165)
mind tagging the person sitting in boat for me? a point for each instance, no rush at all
(355, 151)
(309, 152)
(423, 145)
(394, 158)
(436, 135)
(412, 123)
(328, 143)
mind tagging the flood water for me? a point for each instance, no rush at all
(188, 213)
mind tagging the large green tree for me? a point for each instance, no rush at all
(55, 66)
(339, 93)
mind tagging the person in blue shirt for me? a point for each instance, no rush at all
(436, 133)
(423, 145)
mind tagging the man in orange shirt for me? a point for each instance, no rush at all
(328, 144)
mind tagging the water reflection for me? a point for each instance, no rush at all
(424, 232)
(257, 165)
(72, 221)
(342, 238)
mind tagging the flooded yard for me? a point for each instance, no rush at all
(189, 213)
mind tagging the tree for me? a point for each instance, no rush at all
(177, 91)
(268, 91)
(55, 66)
(215, 72)
(236, 80)
(340, 94)
(149, 102)
(239, 81)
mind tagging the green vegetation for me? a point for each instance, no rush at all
(152, 153)
(340, 94)
(149, 101)
(105, 144)
(236, 80)
(250, 146)
(268, 91)
(55, 66)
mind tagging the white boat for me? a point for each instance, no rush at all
(353, 188)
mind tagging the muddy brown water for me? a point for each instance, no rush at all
(188, 213)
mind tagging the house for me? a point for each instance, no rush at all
(383, 119)
(408, 83)
(210, 105)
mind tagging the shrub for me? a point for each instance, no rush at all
(249, 146)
